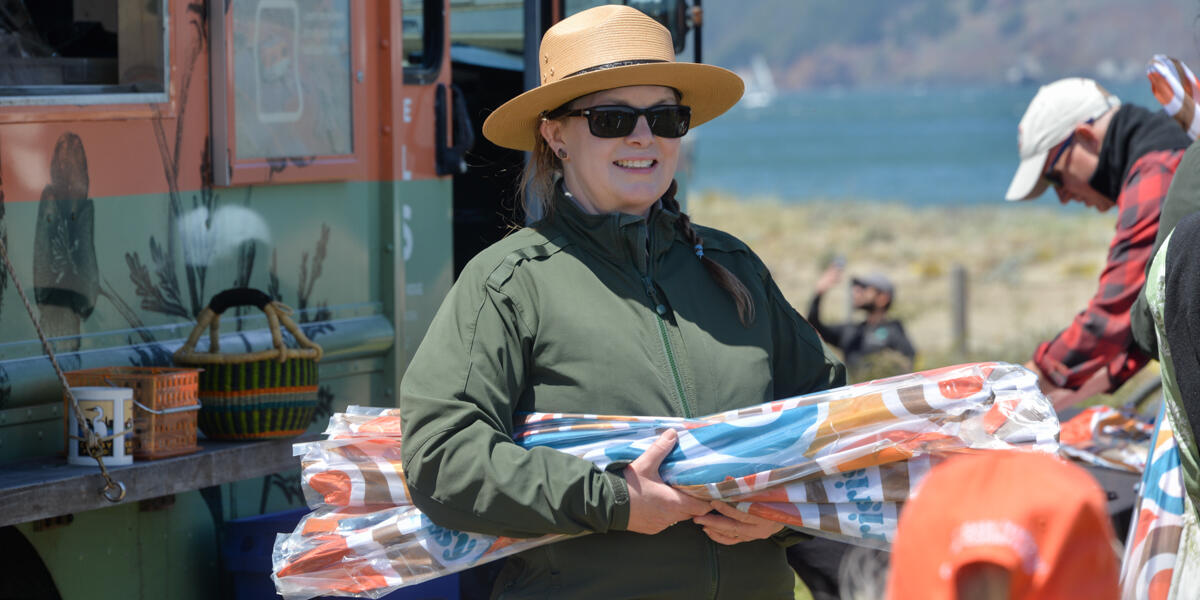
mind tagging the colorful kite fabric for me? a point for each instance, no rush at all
(1162, 552)
(837, 463)
(1177, 89)
(1103, 436)
(1157, 527)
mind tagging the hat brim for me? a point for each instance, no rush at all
(709, 90)
(1028, 183)
(876, 284)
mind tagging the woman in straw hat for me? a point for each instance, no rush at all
(613, 303)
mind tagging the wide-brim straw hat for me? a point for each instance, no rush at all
(603, 48)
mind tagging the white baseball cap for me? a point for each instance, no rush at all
(1052, 114)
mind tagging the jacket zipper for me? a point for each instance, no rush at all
(716, 567)
(659, 310)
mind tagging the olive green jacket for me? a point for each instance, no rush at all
(601, 314)
(1183, 199)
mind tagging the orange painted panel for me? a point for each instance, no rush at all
(160, 148)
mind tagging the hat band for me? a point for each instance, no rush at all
(620, 63)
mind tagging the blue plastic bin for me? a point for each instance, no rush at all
(246, 557)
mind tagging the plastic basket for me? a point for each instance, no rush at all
(253, 395)
(165, 406)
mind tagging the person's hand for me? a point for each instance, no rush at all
(1063, 398)
(733, 526)
(1059, 397)
(832, 274)
(654, 505)
(1044, 384)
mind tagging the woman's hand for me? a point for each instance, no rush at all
(733, 526)
(654, 505)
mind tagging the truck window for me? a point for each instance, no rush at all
(83, 51)
(488, 27)
(423, 26)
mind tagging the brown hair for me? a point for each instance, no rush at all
(536, 188)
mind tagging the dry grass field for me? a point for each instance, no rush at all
(1030, 266)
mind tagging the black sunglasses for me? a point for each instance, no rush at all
(1052, 176)
(614, 121)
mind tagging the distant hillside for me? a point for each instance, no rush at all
(811, 43)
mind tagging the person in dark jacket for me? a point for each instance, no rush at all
(1079, 139)
(613, 303)
(875, 334)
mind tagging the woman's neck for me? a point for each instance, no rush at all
(587, 206)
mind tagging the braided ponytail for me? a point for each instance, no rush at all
(724, 278)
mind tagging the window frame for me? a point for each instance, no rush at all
(433, 46)
(101, 98)
(231, 170)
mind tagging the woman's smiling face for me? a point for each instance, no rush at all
(627, 174)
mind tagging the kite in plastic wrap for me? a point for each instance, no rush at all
(1105, 437)
(1176, 88)
(836, 463)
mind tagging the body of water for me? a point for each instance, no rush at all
(914, 146)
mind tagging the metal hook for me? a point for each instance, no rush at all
(109, 487)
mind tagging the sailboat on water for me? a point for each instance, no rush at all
(760, 84)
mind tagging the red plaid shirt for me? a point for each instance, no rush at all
(1100, 336)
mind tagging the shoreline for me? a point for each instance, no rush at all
(1030, 266)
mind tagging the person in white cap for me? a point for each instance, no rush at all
(1081, 140)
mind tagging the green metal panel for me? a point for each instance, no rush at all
(125, 552)
(365, 265)
(31, 431)
(427, 232)
(317, 247)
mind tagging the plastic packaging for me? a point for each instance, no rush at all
(835, 463)
(1102, 436)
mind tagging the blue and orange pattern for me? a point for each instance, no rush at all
(837, 463)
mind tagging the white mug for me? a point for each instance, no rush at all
(108, 410)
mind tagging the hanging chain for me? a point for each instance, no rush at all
(113, 491)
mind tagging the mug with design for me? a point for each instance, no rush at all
(108, 410)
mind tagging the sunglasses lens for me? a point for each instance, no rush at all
(612, 121)
(669, 121)
(620, 121)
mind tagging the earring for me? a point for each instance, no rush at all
(562, 153)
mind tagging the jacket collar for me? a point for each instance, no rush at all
(1132, 133)
(617, 237)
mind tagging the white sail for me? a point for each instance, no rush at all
(760, 84)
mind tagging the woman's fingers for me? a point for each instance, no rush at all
(731, 526)
(740, 516)
(647, 464)
(654, 505)
(721, 538)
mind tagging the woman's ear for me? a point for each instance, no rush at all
(551, 131)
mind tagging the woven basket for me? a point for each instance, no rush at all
(253, 395)
(164, 421)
